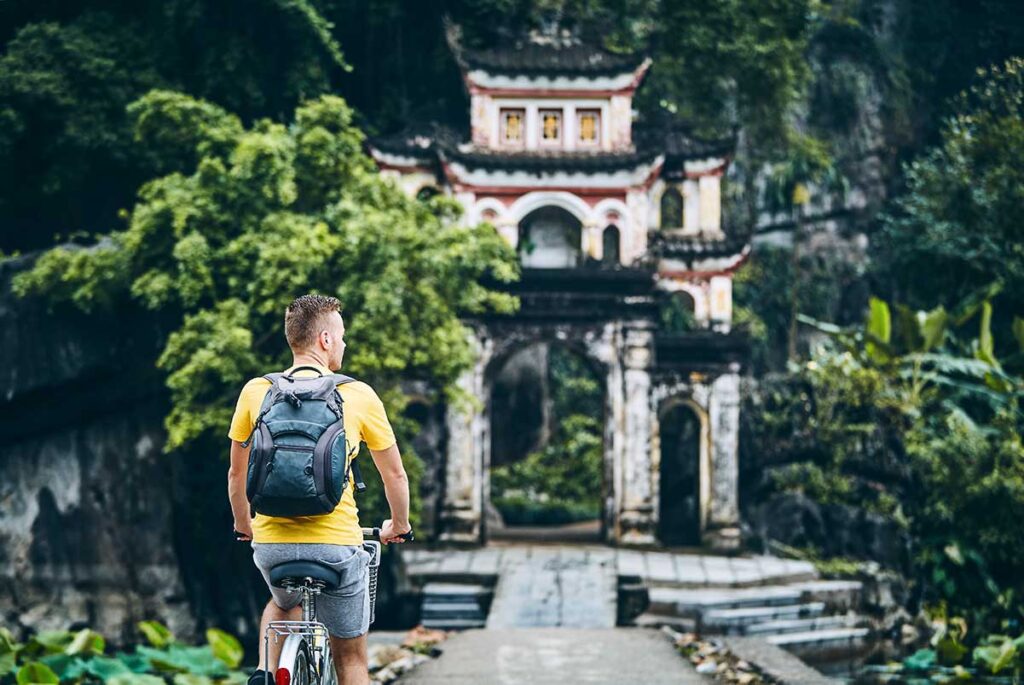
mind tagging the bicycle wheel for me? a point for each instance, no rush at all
(295, 666)
(328, 676)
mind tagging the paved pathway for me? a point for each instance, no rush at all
(655, 568)
(556, 587)
(557, 656)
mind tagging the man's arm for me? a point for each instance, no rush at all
(396, 489)
(236, 489)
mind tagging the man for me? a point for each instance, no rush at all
(315, 332)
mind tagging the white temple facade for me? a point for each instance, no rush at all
(615, 224)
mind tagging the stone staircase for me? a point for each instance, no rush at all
(803, 616)
(782, 601)
(455, 606)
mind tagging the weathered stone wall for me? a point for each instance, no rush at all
(97, 525)
(85, 515)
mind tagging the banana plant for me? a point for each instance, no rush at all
(919, 349)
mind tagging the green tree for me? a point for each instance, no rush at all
(560, 482)
(68, 70)
(912, 416)
(264, 214)
(959, 224)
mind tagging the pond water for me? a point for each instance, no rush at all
(886, 661)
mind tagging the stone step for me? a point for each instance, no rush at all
(452, 610)
(737, 619)
(723, 573)
(838, 595)
(454, 592)
(454, 606)
(691, 602)
(453, 623)
(799, 625)
(836, 637)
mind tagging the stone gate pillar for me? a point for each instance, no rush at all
(462, 510)
(636, 499)
(723, 532)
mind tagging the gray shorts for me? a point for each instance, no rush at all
(345, 611)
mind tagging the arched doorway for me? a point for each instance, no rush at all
(678, 312)
(546, 410)
(550, 238)
(610, 246)
(679, 505)
(671, 208)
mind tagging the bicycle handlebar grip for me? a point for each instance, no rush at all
(375, 533)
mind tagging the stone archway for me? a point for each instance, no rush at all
(546, 409)
(683, 470)
(621, 353)
(550, 238)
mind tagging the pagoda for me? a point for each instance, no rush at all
(615, 224)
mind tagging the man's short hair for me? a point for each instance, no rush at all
(303, 320)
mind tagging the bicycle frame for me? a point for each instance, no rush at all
(310, 634)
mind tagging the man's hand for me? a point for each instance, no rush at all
(243, 530)
(389, 532)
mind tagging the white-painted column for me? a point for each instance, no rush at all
(636, 510)
(720, 297)
(691, 207)
(724, 413)
(569, 132)
(593, 243)
(509, 231)
(465, 476)
(532, 128)
(710, 204)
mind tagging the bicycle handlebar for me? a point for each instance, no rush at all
(375, 533)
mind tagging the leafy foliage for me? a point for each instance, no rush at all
(267, 213)
(264, 214)
(958, 225)
(763, 289)
(906, 416)
(70, 69)
(561, 482)
(53, 657)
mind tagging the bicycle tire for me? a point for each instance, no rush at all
(328, 675)
(296, 659)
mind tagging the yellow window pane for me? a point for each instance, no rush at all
(513, 127)
(551, 126)
(588, 128)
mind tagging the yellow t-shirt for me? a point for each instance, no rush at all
(365, 420)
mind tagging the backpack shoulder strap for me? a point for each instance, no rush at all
(342, 379)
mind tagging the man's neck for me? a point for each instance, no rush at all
(309, 359)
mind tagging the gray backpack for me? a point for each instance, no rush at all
(298, 464)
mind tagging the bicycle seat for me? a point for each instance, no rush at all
(297, 571)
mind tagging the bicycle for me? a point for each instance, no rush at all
(306, 654)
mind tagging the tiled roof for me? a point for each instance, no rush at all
(662, 244)
(534, 59)
(548, 160)
(419, 140)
